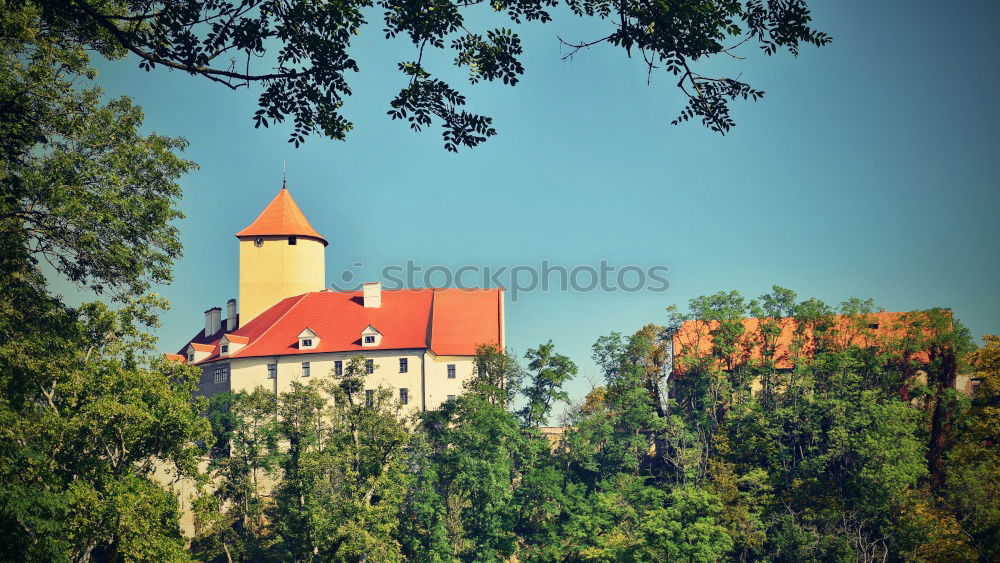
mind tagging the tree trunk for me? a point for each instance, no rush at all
(940, 427)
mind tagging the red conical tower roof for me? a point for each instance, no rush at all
(281, 217)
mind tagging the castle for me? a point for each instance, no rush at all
(287, 326)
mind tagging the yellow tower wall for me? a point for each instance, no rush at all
(276, 270)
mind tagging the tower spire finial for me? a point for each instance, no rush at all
(284, 175)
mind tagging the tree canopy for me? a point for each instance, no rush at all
(299, 53)
(88, 412)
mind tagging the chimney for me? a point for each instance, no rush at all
(213, 321)
(373, 294)
(231, 315)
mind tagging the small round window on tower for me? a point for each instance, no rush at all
(258, 242)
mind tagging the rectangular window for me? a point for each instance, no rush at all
(369, 340)
(369, 398)
(307, 342)
(451, 371)
(293, 240)
(191, 357)
(370, 366)
(338, 368)
(451, 397)
(272, 371)
(305, 369)
(221, 374)
(404, 396)
(225, 348)
(403, 367)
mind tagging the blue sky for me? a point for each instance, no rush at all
(869, 169)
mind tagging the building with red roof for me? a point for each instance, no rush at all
(420, 343)
(693, 338)
(884, 330)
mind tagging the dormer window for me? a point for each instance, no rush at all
(232, 343)
(370, 336)
(308, 340)
(198, 352)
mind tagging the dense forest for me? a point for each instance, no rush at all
(854, 453)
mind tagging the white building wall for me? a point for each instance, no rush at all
(439, 387)
(426, 378)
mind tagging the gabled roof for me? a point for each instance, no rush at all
(236, 338)
(203, 347)
(449, 322)
(307, 333)
(175, 358)
(281, 217)
(370, 330)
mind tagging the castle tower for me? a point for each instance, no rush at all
(281, 256)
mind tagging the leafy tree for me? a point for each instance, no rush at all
(474, 455)
(828, 459)
(300, 53)
(243, 464)
(972, 475)
(343, 471)
(84, 427)
(83, 189)
(631, 489)
(550, 372)
(497, 377)
(685, 529)
(946, 343)
(88, 413)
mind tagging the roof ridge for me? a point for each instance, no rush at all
(429, 343)
(275, 323)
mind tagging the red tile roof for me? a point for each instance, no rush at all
(236, 338)
(446, 321)
(693, 338)
(175, 358)
(202, 347)
(464, 318)
(281, 217)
